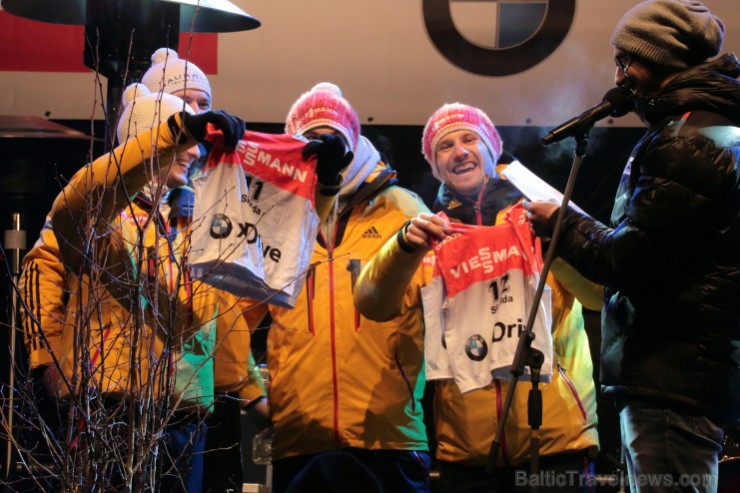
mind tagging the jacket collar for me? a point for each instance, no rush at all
(498, 194)
(711, 86)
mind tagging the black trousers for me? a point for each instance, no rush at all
(223, 457)
(571, 472)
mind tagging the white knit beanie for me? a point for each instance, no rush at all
(144, 109)
(671, 33)
(169, 74)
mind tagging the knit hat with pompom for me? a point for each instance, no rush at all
(323, 106)
(169, 74)
(458, 116)
(144, 109)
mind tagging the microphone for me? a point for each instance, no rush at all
(616, 102)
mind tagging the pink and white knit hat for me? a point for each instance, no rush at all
(458, 116)
(322, 106)
(169, 74)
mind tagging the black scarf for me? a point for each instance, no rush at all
(497, 195)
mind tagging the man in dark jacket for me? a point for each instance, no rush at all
(670, 351)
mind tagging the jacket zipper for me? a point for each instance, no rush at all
(310, 292)
(332, 329)
(499, 411)
(354, 267)
(406, 381)
(478, 201)
(180, 225)
(573, 391)
(499, 397)
(333, 334)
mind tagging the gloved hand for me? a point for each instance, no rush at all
(331, 157)
(232, 127)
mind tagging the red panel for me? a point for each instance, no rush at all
(31, 46)
(203, 50)
(39, 46)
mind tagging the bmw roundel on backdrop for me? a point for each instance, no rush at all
(497, 37)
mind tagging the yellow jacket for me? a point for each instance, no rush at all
(466, 423)
(44, 291)
(236, 371)
(338, 379)
(134, 320)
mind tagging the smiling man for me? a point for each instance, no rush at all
(465, 152)
(462, 146)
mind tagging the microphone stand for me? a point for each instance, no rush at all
(525, 355)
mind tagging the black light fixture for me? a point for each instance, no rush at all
(121, 35)
(213, 16)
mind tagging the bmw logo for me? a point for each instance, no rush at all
(497, 37)
(221, 226)
(476, 348)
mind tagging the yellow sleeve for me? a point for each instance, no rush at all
(102, 189)
(235, 367)
(42, 289)
(255, 386)
(385, 280)
(253, 311)
(590, 294)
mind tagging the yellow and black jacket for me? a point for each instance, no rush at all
(466, 424)
(133, 318)
(338, 379)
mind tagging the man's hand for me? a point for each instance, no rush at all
(232, 127)
(540, 214)
(425, 228)
(331, 157)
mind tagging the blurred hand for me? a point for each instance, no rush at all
(51, 380)
(259, 413)
(331, 157)
(232, 127)
(424, 228)
(539, 214)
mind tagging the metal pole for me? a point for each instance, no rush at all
(15, 244)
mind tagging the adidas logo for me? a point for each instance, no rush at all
(371, 232)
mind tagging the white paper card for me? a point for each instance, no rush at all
(532, 186)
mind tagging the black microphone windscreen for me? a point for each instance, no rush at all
(619, 98)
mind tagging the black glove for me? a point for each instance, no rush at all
(232, 126)
(331, 157)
